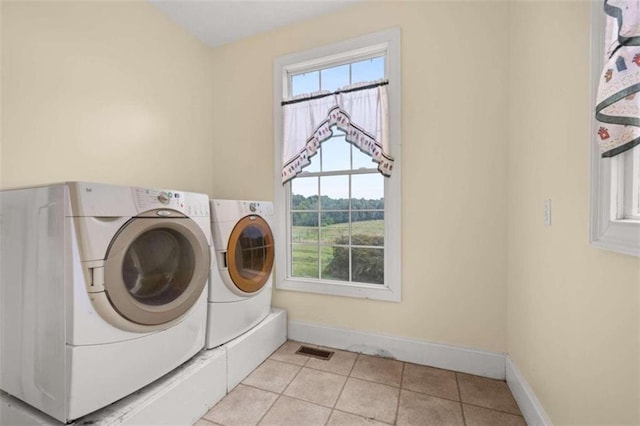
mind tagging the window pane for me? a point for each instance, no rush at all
(338, 132)
(305, 83)
(362, 160)
(304, 261)
(304, 193)
(367, 228)
(304, 227)
(335, 228)
(367, 265)
(367, 70)
(334, 191)
(314, 165)
(335, 263)
(336, 154)
(335, 78)
(367, 191)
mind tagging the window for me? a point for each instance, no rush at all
(615, 181)
(338, 221)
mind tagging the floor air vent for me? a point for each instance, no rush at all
(316, 353)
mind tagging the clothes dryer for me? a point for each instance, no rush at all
(242, 261)
(103, 290)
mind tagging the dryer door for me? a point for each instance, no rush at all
(250, 253)
(156, 269)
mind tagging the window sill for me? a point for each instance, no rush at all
(362, 291)
(620, 236)
(628, 221)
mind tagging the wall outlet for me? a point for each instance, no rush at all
(546, 212)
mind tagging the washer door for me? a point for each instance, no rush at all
(156, 269)
(250, 253)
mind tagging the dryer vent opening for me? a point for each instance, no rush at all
(314, 352)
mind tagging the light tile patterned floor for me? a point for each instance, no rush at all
(355, 389)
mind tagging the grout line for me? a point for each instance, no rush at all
(355, 361)
(395, 419)
(431, 395)
(291, 381)
(281, 362)
(341, 389)
(268, 410)
(343, 386)
(305, 401)
(377, 383)
(255, 387)
(361, 416)
(493, 409)
(326, 371)
(464, 420)
(328, 418)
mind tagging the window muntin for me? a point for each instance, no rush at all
(336, 209)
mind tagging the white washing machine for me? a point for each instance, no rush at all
(241, 264)
(103, 290)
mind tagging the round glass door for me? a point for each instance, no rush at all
(250, 253)
(158, 266)
(156, 269)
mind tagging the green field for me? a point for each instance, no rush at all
(330, 233)
(305, 256)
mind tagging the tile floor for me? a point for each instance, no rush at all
(356, 389)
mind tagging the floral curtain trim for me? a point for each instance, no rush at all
(361, 114)
(618, 101)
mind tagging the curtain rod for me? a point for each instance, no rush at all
(324, 95)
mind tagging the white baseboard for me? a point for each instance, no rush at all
(530, 407)
(464, 360)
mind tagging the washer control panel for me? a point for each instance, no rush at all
(148, 199)
(104, 200)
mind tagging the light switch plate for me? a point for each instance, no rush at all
(546, 212)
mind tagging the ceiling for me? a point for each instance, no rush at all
(217, 22)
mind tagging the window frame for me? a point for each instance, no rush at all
(609, 228)
(388, 43)
(630, 184)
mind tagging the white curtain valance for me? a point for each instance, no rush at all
(361, 111)
(618, 101)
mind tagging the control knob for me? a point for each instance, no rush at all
(163, 197)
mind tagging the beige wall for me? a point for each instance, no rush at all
(114, 92)
(573, 323)
(454, 153)
(103, 91)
